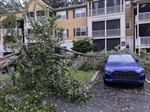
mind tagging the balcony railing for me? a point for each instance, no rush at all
(31, 39)
(114, 9)
(32, 19)
(144, 16)
(108, 10)
(7, 48)
(113, 32)
(9, 31)
(99, 11)
(143, 41)
(98, 33)
(110, 32)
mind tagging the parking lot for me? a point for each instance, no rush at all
(111, 98)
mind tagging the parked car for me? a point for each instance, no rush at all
(123, 68)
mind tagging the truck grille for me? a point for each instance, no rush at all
(127, 75)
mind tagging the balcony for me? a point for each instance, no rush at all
(32, 19)
(100, 11)
(98, 33)
(114, 9)
(9, 31)
(108, 10)
(143, 17)
(106, 33)
(31, 39)
(7, 48)
(143, 41)
(113, 32)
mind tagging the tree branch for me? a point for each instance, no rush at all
(10, 62)
(78, 53)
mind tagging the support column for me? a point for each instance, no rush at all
(139, 40)
(105, 45)
(121, 6)
(135, 39)
(105, 28)
(91, 9)
(137, 12)
(105, 6)
(88, 9)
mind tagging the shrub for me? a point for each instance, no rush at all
(83, 45)
(90, 63)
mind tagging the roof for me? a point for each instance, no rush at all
(42, 3)
(70, 7)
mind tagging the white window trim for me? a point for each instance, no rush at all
(128, 4)
(129, 25)
(62, 17)
(65, 33)
(75, 13)
(80, 31)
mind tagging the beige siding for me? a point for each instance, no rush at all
(31, 6)
(129, 18)
(72, 23)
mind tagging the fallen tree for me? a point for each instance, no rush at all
(42, 73)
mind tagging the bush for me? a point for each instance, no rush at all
(83, 45)
(97, 62)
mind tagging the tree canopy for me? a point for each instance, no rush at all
(41, 71)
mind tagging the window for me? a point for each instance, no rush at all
(40, 13)
(63, 15)
(128, 4)
(80, 31)
(128, 25)
(63, 34)
(30, 14)
(29, 31)
(80, 12)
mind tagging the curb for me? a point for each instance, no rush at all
(93, 77)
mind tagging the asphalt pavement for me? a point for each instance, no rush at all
(110, 98)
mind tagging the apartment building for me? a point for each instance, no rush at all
(34, 15)
(6, 31)
(142, 24)
(74, 21)
(108, 22)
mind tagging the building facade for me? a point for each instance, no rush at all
(142, 24)
(108, 22)
(74, 21)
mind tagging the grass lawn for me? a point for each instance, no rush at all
(83, 76)
(7, 77)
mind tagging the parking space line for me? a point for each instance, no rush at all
(147, 80)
